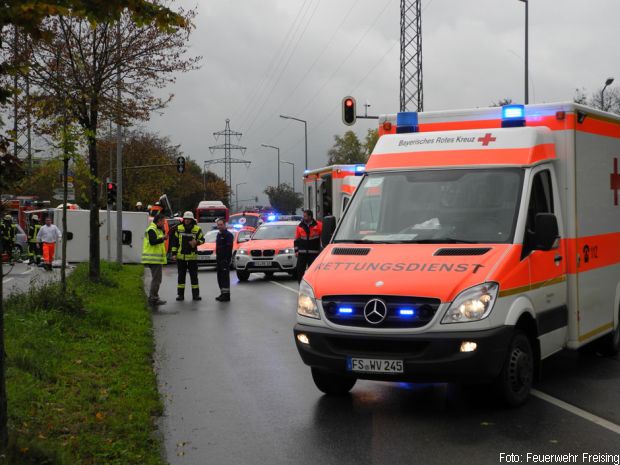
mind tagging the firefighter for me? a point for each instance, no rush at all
(307, 242)
(185, 241)
(223, 252)
(9, 231)
(139, 207)
(34, 250)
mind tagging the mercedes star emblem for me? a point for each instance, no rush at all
(375, 311)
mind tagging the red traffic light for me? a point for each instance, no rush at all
(348, 102)
(348, 111)
(110, 186)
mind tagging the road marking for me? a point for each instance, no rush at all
(7, 280)
(296, 291)
(28, 271)
(577, 411)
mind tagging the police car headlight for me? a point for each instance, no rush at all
(242, 252)
(286, 251)
(306, 303)
(472, 304)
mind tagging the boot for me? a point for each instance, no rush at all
(196, 294)
(223, 298)
(180, 297)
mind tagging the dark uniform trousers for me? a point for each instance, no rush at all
(304, 261)
(223, 274)
(183, 267)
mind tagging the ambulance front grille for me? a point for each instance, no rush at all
(350, 251)
(461, 251)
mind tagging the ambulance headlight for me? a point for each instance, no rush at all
(306, 303)
(472, 304)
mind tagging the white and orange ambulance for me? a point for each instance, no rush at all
(327, 190)
(478, 243)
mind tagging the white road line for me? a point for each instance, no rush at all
(28, 271)
(577, 411)
(296, 291)
(7, 280)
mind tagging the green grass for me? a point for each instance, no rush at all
(80, 380)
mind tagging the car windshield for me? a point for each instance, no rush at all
(210, 236)
(210, 215)
(439, 206)
(246, 221)
(275, 231)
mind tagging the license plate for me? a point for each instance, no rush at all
(262, 263)
(204, 258)
(373, 365)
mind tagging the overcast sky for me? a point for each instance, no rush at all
(262, 58)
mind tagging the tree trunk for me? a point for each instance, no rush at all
(65, 174)
(93, 265)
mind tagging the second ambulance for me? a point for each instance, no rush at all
(478, 243)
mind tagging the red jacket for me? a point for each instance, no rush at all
(308, 237)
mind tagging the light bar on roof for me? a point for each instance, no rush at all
(513, 116)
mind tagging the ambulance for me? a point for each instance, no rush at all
(478, 243)
(328, 190)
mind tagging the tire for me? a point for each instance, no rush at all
(332, 384)
(243, 275)
(609, 345)
(517, 376)
(293, 274)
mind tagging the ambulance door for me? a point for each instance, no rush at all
(310, 194)
(548, 290)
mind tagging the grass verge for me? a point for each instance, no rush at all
(80, 380)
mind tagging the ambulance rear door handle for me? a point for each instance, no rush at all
(557, 259)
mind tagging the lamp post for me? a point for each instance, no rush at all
(305, 134)
(527, 93)
(608, 82)
(237, 195)
(278, 149)
(293, 165)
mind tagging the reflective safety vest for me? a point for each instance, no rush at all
(308, 237)
(153, 254)
(180, 244)
(9, 232)
(33, 231)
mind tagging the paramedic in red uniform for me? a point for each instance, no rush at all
(307, 242)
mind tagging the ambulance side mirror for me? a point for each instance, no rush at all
(329, 226)
(547, 232)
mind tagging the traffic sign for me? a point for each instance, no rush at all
(58, 194)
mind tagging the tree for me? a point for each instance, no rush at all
(502, 102)
(346, 150)
(607, 101)
(371, 139)
(284, 199)
(95, 63)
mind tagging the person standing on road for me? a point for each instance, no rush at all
(223, 253)
(9, 232)
(34, 251)
(307, 242)
(154, 255)
(185, 241)
(48, 235)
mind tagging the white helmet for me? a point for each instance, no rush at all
(138, 204)
(188, 215)
(35, 217)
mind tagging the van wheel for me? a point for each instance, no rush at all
(243, 275)
(515, 380)
(332, 384)
(609, 345)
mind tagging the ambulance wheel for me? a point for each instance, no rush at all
(332, 384)
(517, 376)
(609, 345)
(243, 275)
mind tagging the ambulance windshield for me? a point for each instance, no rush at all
(438, 206)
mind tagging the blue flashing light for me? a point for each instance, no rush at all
(345, 310)
(406, 312)
(406, 121)
(513, 116)
(237, 226)
(271, 218)
(359, 169)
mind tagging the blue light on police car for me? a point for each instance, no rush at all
(237, 226)
(271, 218)
(513, 116)
(406, 312)
(406, 121)
(345, 310)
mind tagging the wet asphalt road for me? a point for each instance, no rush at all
(21, 277)
(236, 392)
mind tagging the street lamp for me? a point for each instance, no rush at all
(527, 93)
(305, 133)
(608, 82)
(278, 149)
(237, 195)
(293, 165)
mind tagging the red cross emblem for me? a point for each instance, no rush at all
(615, 181)
(487, 139)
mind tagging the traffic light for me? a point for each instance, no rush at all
(181, 165)
(348, 111)
(111, 193)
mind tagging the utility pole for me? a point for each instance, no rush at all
(22, 121)
(108, 206)
(119, 158)
(411, 92)
(227, 147)
(278, 149)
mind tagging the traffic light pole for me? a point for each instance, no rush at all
(108, 219)
(119, 163)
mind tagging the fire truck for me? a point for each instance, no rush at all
(478, 243)
(328, 190)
